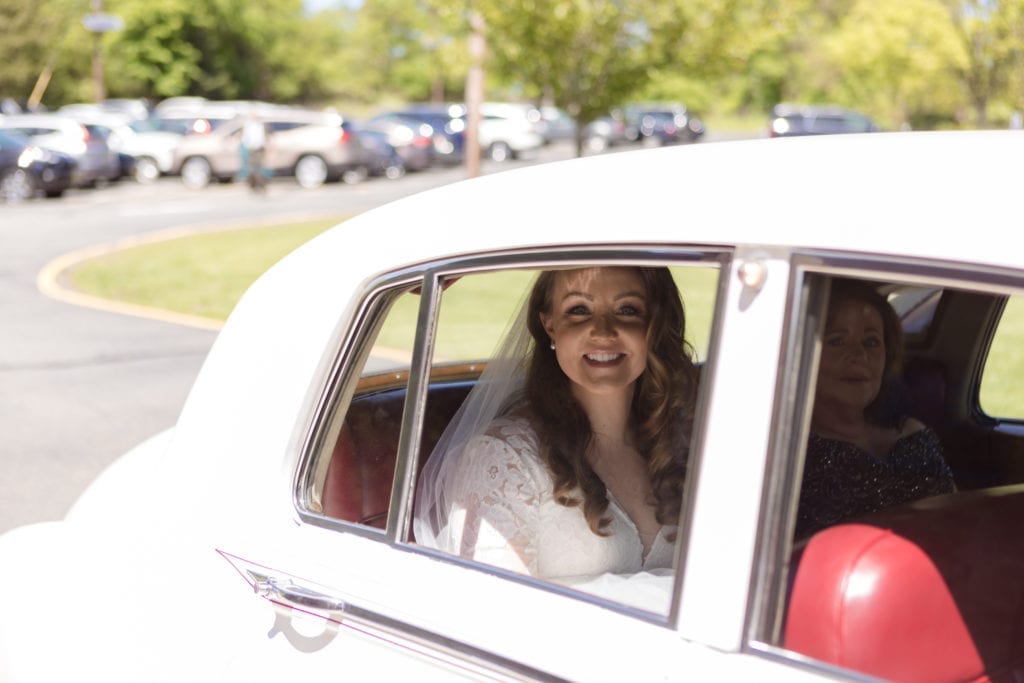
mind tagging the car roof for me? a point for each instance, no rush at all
(941, 195)
(42, 119)
(786, 109)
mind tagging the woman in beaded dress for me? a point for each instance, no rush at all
(567, 459)
(864, 452)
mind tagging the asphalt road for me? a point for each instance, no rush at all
(79, 386)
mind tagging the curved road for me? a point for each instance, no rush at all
(79, 386)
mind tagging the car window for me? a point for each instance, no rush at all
(355, 467)
(362, 438)
(895, 520)
(476, 318)
(916, 307)
(1004, 366)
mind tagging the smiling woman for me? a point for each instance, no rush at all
(865, 451)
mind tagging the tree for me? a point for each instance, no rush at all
(405, 49)
(897, 61)
(43, 37)
(990, 33)
(585, 56)
(224, 49)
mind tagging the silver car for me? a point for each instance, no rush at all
(313, 147)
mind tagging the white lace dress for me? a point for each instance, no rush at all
(504, 514)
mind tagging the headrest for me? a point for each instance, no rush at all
(930, 591)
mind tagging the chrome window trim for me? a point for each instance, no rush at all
(766, 610)
(355, 341)
(536, 260)
(429, 274)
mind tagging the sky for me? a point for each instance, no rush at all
(313, 6)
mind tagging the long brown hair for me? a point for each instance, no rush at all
(661, 413)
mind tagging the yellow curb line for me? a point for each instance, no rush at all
(47, 280)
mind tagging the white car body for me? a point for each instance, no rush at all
(146, 579)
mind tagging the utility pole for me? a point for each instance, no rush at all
(99, 23)
(99, 89)
(474, 92)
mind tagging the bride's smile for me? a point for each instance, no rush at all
(598, 325)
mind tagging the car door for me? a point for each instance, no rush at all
(394, 379)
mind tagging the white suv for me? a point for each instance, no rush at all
(510, 130)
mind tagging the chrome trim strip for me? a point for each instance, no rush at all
(403, 487)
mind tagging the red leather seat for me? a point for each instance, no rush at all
(932, 591)
(362, 468)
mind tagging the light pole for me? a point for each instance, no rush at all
(99, 23)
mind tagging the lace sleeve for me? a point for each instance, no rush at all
(495, 498)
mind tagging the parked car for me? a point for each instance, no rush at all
(449, 131)
(510, 130)
(507, 130)
(411, 136)
(313, 147)
(269, 534)
(94, 161)
(380, 156)
(27, 170)
(604, 132)
(149, 150)
(556, 125)
(794, 119)
(662, 124)
(152, 148)
(187, 115)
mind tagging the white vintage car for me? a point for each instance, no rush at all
(268, 536)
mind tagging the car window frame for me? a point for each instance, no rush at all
(810, 274)
(429, 277)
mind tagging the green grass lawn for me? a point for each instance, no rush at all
(203, 274)
(476, 311)
(1005, 366)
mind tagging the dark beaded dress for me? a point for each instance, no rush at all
(841, 480)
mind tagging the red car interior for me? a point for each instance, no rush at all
(930, 591)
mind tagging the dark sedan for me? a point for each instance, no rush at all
(449, 139)
(654, 126)
(412, 138)
(27, 170)
(793, 119)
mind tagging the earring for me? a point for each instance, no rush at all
(552, 344)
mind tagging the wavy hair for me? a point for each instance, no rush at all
(661, 413)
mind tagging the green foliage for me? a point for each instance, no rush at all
(222, 49)
(35, 34)
(896, 60)
(924, 62)
(585, 56)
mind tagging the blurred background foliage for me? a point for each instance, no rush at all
(906, 63)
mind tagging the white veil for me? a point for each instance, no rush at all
(498, 389)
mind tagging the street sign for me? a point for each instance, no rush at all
(100, 23)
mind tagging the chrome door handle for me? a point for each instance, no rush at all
(296, 595)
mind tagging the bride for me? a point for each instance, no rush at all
(567, 460)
